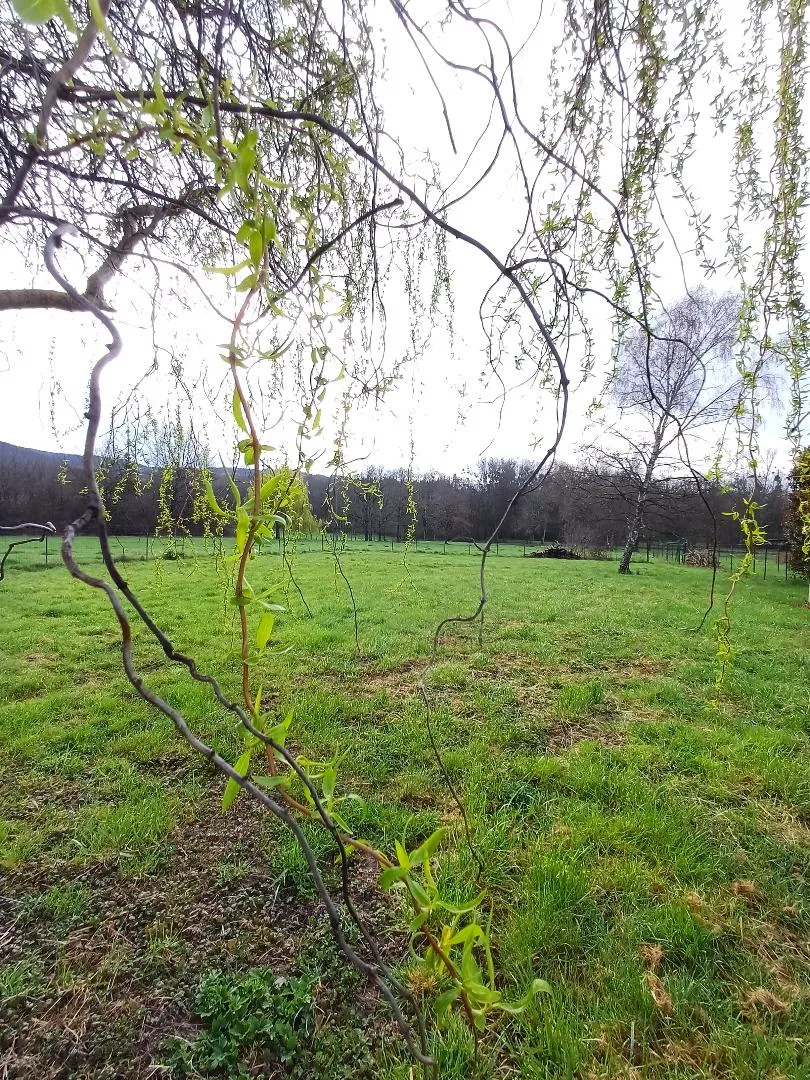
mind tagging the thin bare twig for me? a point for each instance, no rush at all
(48, 529)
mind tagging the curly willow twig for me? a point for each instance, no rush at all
(377, 971)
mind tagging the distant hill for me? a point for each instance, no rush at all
(44, 459)
(41, 485)
(47, 460)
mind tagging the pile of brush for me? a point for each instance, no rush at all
(553, 553)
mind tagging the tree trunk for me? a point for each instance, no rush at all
(637, 520)
(633, 532)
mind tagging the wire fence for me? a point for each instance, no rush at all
(768, 558)
(41, 554)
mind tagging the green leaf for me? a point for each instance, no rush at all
(34, 11)
(238, 415)
(514, 1008)
(418, 921)
(237, 498)
(445, 1000)
(211, 498)
(97, 16)
(264, 630)
(267, 226)
(419, 892)
(159, 104)
(391, 876)
(244, 160)
(468, 934)
(64, 13)
(270, 782)
(232, 788)
(39, 11)
(227, 269)
(279, 733)
(480, 994)
(256, 248)
(402, 855)
(427, 848)
(247, 282)
(462, 909)
(269, 486)
(329, 781)
(470, 971)
(242, 527)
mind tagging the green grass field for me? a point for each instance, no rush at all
(647, 849)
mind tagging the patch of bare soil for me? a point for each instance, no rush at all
(107, 986)
(401, 680)
(641, 667)
(567, 733)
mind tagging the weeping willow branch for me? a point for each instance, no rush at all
(376, 971)
(56, 85)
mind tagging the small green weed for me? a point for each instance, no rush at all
(18, 980)
(255, 1015)
(18, 842)
(233, 870)
(62, 904)
(163, 944)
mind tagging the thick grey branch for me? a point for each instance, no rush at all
(137, 224)
(26, 299)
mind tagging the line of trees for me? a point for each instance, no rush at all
(580, 505)
(586, 504)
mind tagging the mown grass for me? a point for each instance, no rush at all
(645, 842)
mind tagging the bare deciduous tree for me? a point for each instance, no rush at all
(670, 385)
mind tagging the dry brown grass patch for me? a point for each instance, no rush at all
(41, 660)
(402, 680)
(779, 822)
(662, 999)
(757, 1002)
(652, 955)
(567, 733)
(746, 890)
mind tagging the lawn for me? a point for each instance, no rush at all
(646, 845)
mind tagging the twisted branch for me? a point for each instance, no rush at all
(377, 972)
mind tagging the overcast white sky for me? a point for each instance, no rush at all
(441, 415)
